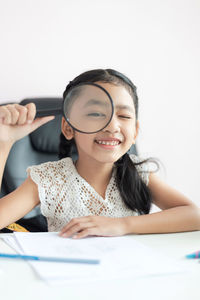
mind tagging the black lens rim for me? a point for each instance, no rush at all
(103, 89)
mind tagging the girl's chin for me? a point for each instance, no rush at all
(107, 159)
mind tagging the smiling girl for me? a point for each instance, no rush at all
(106, 191)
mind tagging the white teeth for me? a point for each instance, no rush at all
(112, 143)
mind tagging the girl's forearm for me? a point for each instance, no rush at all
(176, 219)
(4, 152)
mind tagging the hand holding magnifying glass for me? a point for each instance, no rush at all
(87, 107)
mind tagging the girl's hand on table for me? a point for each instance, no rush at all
(94, 225)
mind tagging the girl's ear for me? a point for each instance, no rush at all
(67, 130)
(136, 132)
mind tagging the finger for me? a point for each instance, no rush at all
(23, 111)
(86, 232)
(14, 114)
(6, 115)
(39, 122)
(73, 222)
(76, 229)
(31, 112)
(2, 111)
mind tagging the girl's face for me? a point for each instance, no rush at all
(108, 145)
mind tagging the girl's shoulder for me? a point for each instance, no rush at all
(50, 172)
(140, 160)
(50, 166)
(142, 166)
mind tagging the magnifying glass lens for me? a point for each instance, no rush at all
(88, 108)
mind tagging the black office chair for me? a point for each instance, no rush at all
(39, 146)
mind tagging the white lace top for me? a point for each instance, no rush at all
(64, 194)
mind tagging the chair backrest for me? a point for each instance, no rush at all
(38, 147)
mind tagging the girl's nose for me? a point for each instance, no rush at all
(113, 126)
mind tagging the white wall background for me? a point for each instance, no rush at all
(46, 43)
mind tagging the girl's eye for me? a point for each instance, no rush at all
(96, 115)
(124, 117)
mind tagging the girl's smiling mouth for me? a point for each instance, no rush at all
(108, 142)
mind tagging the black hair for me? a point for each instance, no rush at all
(134, 192)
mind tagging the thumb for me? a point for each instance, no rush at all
(39, 122)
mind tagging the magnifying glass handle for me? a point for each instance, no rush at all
(46, 106)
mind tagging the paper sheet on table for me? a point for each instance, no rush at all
(121, 257)
(11, 241)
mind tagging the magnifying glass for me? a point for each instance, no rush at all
(87, 107)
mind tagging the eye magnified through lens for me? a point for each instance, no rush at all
(88, 108)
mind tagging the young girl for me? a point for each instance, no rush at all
(106, 191)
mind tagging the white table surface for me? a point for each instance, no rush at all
(18, 280)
